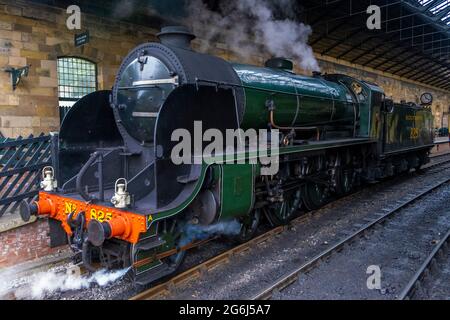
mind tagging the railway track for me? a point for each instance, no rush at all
(223, 258)
(440, 155)
(286, 280)
(425, 269)
(195, 272)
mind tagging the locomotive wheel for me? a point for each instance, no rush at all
(314, 195)
(280, 213)
(249, 226)
(170, 232)
(344, 181)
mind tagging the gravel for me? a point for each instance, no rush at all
(398, 248)
(251, 271)
(254, 270)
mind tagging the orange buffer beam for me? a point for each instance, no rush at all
(116, 223)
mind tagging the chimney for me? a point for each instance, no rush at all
(176, 36)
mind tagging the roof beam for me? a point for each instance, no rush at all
(397, 55)
(324, 34)
(383, 53)
(354, 47)
(424, 14)
(369, 50)
(443, 76)
(416, 70)
(336, 43)
(439, 82)
(411, 62)
(364, 53)
(429, 74)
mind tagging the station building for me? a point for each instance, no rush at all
(36, 35)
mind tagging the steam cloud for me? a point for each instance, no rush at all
(198, 232)
(3, 287)
(41, 284)
(124, 8)
(246, 24)
(50, 282)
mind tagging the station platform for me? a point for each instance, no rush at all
(442, 145)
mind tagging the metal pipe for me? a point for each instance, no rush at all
(273, 124)
(101, 193)
(80, 175)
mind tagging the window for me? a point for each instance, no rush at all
(438, 9)
(76, 78)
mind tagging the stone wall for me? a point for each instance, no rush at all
(37, 35)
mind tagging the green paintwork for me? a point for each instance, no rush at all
(321, 101)
(241, 169)
(368, 105)
(237, 187)
(299, 100)
(408, 127)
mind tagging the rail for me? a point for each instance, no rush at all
(410, 289)
(195, 272)
(292, 276)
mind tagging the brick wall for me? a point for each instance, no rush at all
(26, 243)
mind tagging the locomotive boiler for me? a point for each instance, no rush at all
(116, 196)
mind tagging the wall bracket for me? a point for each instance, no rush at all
(17, 74)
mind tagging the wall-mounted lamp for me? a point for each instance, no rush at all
(17, 74)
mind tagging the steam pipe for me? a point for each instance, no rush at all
(273, 124)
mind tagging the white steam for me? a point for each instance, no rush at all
(50, 282)
(4, 288)
(196, 232)
(247, 26)
(42, 284)
(124, 9)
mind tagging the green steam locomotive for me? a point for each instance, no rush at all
(116, 195)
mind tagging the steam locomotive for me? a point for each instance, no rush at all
(116, 196)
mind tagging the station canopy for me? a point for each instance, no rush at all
(413, 41)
